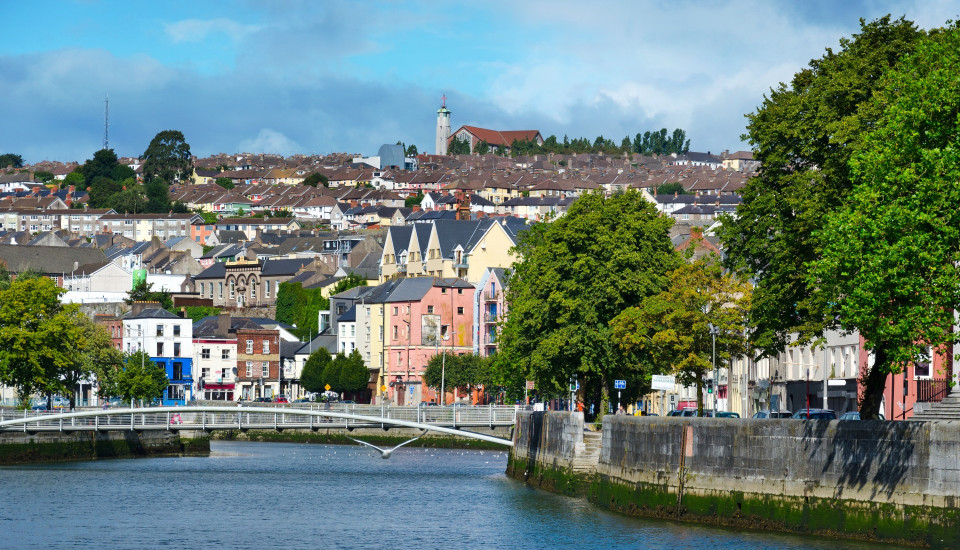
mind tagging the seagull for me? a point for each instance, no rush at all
(385, 453)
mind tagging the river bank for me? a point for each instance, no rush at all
(886, 482)
(23, 448)
(376, 436)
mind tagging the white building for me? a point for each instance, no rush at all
(168, 340)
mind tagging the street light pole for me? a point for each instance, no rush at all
(716, 375)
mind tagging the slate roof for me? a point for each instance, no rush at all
(273, 267)
(153, 313)
(47, 259)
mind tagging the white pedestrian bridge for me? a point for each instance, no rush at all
(454, 420)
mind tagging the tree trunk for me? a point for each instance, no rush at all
(700, 395)
(873, 385)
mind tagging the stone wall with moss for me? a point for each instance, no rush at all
(882, 481)
(20, 447)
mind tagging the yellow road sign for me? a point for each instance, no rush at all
(327, 387)
(383, 388)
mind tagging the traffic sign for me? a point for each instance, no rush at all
(619, 384)
(383, 388)
(663, 382)
(530, 385)
(327, 387)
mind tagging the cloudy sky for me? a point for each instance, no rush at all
(324, 76)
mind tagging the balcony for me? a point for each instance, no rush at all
(490, 338)
(489, 296)
(490, 318)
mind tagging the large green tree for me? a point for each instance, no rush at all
(890, 257)
(312, 376)
(354, 376)
(92, 353)
(143, 292)
(803, 134)
(166, 160)
(10, 159)
(575, 275)
(671, 331)
(38, 337)
(141, 379)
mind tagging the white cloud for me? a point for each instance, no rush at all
(269, 141)
(197, 30)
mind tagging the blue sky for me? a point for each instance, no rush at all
(324, 76)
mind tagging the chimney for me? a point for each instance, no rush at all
(183, 312)
(138, 307)
(223, 324)
(415, 208)
(353, 203)
(71, 189)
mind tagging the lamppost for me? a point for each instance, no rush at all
(714, 330)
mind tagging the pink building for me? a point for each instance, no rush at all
(432, 316)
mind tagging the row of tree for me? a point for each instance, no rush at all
(48, 348)
(113, 185)
(341, 373)
(647, 143)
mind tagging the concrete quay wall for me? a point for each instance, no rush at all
(20, 447)
(884, 481)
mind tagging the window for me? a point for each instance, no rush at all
(429, 309)
(176, 349)
(443, 291)
(202, 288)
(459, 291)
(266, 289)
(159, 330)
(221, 290)
(394, 332)
(177, 370)
(225, 354)
(205, 353)
(253, 290)
(176, 330)
(249, 346)
(341, 309)
(266, 369)
(232, 291)
(353, 330)
(266, 347)
(159, 349)
(249, 369)
(921, 368)
(395, 310)
(459, 311)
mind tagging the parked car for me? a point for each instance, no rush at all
(773, 414)
(854, 415)
(815, 414)
(263, 400)
(281, 399)
(727, 414)
(303, 400)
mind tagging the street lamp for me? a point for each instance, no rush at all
(714, 330)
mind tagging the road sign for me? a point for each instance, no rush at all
(663, 382)
(383, 388)
(530, 384)
(619, 384)
(327, 387)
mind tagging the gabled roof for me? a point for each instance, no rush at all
(272, 267)
(153, 313)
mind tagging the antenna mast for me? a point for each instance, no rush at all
(106, 122)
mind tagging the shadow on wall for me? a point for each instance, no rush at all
(534, 440)
(874, 452)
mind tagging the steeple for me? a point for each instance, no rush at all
(443, 127)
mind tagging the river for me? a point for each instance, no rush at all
(284, 495)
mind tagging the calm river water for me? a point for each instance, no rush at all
(276, 495)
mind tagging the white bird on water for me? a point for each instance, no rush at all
(385, 453)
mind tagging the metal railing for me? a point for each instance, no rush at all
(932, 391)
(448, 419)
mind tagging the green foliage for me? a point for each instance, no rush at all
(313, 179)
(459, 371)
(195, 313)
(131, 199)
(282, 213)
(889, 253)
(102, 191)
(659, 143)
(804, 134)
(226, 183)
(411, 151)
(166, 160)
(75, 179)
(312, 376)
(669, 332)
(575, 275)
(410, 202)
(331, 372)
(458, 146)
(209, 218)
(39, 338)
(350, 281)
(141, 379)
(179, 207)
(42, 175)
(10, 159)
(672, 189)
(482, 148)
(354, 375)
(143, 292)
(299, 306)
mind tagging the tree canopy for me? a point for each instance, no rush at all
(141, 379)
(458, 371)
(670, 331)
(312, 376)
(300, 306)
(166, 160)
(143, 292)
(8, 160)
(803, 134)
(575, 275)
(316, 178)
(226, 183)
(890, 255)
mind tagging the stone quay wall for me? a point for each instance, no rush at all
(871, 480)
(20, 447)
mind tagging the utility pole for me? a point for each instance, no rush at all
(106, 122)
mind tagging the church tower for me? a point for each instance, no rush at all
(443, 127)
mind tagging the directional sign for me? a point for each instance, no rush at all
(619, 384)
(663, 382)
